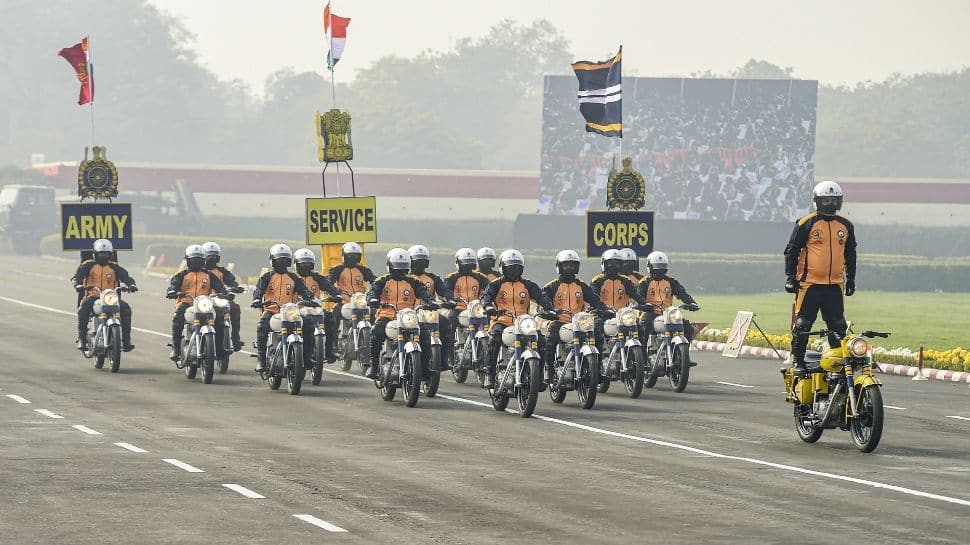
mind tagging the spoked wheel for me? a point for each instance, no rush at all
(806, 430)
(208, 358)
(652, 368)
(316, 372)
(633, 378)
(557, 392)
(295, 371)
(388, 387)
(500, 396)
(606, 373)
(589, 378)
(430, 387)
(348, 355)
(363, 352)
(866, 427)
(92, 353)
(114, 348)
(275, 378)
(463, 360)
(528, 392)
(679, 368)
(411, 379)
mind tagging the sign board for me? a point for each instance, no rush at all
(82, 224)
(739, 330)
(605, 230)
(333, 220)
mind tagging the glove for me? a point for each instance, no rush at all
(693, 307)
(646, 307)
(309, 303)
(171, 295)
(237, 289)
(373, 303)
(433, 305)
(334, 299)
(549, 315)
(228, 296)
(490, 311)
(132, 288)
(849, 287)
(79, 288)
(257, 303)
(450, 305)
(791, 285)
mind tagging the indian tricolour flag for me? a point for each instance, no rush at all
(335, 30)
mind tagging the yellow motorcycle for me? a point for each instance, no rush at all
(838, 391)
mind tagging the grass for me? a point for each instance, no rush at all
(933, 319)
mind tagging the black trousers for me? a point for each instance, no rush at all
(262, 331)
(234, 319)
(811, 299)
(310, 339)
(495, 344)
(86, 308)
(553, 340)
(378, 334)
(178, 324)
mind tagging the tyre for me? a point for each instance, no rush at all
(316, 373)
(557, 393)
(411, 380)
(224, 364)
(633, 379)
(190, 368)
(388, 388)
(807, 431)
(588, 383)
(208, 357)
(652, 369)
(866, 427)
(679, 368)
(348, 355)
(363, 353)
(98, 357)
(295, 372)
(430, 388)
(114, 348)
(500, 398)
(275, 378)
(606, 374)
(528, 394)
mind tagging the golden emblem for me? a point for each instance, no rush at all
(97, 178)
(333, 137)
(625, 189)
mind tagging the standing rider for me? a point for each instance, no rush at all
(659, 290)
(184, 287)
(631, 265)
(306, 263)
(213, 253)
(509, 294)
(820, 261)
(94, 275)
(486, 264)
(349, 277)
(420, 260)
(275, 288)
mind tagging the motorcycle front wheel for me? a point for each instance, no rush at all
(363, 352)
(500, 396)
(114, 348)
(99, 358)
(866, 426)
(528, 392)
(557, 392)
(316, 372)
(430, 388)
(652, 368)
(295, 372)
(208, 358)
(388, 388)
(679, 368)
(348, 355)
(275, 378)
(411, 380)
(588, 381)
(633, 378)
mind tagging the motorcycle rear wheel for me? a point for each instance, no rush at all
(633, 379)
(114, 348)
(295, 372)
(388, 388)
(866, 426)
(208, 358)
(679, 368)
(411, 380)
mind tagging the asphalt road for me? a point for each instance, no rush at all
(144, 456)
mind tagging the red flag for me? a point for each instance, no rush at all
(77, 55)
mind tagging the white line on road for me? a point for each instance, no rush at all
(320, 523)
(85, 429)
(18, 399)
(895, 407)
(47, 413)
(245, 491)
(733, 384)
(129, 446)
(183, 465)
(958, 417)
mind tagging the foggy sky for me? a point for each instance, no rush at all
(834, 41)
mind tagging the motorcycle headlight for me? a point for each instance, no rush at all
(408, 319)
(476, 309)
(658, 324)
(627, 317)
(109, 298)
(291, 312)
(203, 304)
(674, 316)
(859, 347)
(527, 325)
(583, 322)
(219, 302)
(311, 311)
(429, 316)
(358, 300)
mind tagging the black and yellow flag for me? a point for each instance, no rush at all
(599, 95)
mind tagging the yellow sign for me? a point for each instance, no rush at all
(331, 220)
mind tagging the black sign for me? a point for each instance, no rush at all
(82, 224)
(605, 230)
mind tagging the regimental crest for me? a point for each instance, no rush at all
(625, 189)
(97, 178)
(333, 137)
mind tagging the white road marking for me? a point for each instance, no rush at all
(183, 465)
(733, 384)
(41, 307)
(320, 523)
(245, 491)
(895, 407)
(47, 413)
(958, 417)
(86, 429)
(129, 446)
(18, 399)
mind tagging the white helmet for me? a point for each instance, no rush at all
(103, 245)
(419, 252)
(194, 250)
(608, 255)
(304, 255)
(567, 256)
(398, 258)
(486, 253)
(211, 248)
(628, 254)
(351, 248)
(511, 257)
(280, 250)
(465, 256)
(658, 260)
(827, 188)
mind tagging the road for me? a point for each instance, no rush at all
(145, 455)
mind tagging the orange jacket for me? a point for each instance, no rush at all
(822, 250)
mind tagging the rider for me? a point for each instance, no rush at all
(420, 260)
(820, 261)
(275, 288)
(397, 290)
(213, 253)
(570, 295)
(614, 289)
(631, 265)
(306, 262)
(94, 275)
(184, 287)
(512, 294)
(659, 290)
(486, 264)
(466, 285)
(349, 278)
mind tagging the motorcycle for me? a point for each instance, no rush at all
(104, 340)
(577, 365)
(519, 366)
(314, 317)
(624, 360)
(355, 332)
(668, 349)
(471, 340)
(429, 320)
(839, 391)
(223, 303)
(284, 348)
(400, 358)
(199, 338)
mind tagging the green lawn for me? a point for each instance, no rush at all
(938, 320)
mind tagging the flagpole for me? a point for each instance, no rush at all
(331, 64)
(90, 87)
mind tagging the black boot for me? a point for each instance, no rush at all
(489, 378)
(373, 372)
(176, 353)
(82, 337)
(237, 343)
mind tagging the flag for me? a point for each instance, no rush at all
(599, 95)
(77, 55)
(335, 30)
